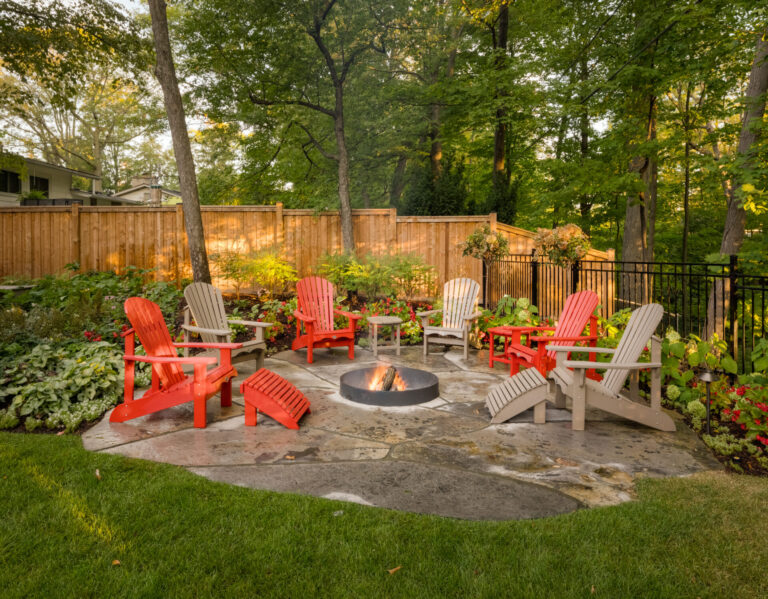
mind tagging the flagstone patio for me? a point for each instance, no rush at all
(443, 457)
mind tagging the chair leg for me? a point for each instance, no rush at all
(250, 415)
(466, 346)
(309, 354)
(226, 394)
(578, 415)
(425, 345)
(351, 351)
(260, 359)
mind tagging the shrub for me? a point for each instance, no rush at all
(272, 273)
(377, 276)
(411, 274)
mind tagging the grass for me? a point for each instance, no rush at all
(178, 535)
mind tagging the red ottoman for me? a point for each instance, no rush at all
(266, 392)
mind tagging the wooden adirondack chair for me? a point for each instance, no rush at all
(578, 310)
(608, 395)
(459, 311)
(170, 386)
(206, 305)
(314, 316)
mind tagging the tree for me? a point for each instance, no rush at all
(88, 131)
(56, 41)
(166, 75)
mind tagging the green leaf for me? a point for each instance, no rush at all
(694, 359)
(729, 364)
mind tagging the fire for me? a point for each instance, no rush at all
(375, 382)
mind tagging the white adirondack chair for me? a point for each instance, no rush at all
(206, 305)
(608, 395)
(459, 311)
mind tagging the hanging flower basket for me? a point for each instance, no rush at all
(562, 245)
(485, 245)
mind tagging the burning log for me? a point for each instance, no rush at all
(389, 378)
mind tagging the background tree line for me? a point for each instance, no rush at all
(640, 121)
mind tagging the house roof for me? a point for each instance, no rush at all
(165, 190)
(82, 194)
(61, 168)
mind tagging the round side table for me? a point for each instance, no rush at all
(380, 321)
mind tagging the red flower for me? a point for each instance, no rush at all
(743, 427)
(763, 440)
(114, 334)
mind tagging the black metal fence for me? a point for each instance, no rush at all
(698, 298)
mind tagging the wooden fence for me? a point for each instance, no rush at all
(36, 241)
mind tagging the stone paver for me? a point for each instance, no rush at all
(443, 457)
(421, 488)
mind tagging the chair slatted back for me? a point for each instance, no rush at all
(574, 317)
(459, 301)
(640, 328)
(147, 320)
(315, 299)
(207, 306)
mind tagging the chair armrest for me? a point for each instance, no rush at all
(347, 314)
(210, 345)
(171, 360)
(250, 323)
(576, 365)
(521, 329)
(580, 348)
(427, 313)
(217, 332)
(473, 316)
(303, 317)
(569, 339)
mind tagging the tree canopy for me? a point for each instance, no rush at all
(622, 116)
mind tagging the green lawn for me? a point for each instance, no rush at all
(177, 535)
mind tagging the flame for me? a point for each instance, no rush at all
(377, 378)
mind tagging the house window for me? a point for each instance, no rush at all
(39, 184)
(10, 182)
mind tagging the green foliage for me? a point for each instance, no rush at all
(433, 195)
(403, 275)
(759, 355)
(59, 386)
(410, 329)
(485, 245)
(509, 311)
(272, 273)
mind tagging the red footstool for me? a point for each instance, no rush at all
(266, 392)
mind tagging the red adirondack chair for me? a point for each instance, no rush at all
(315, 315)
(170, 386)
(578, 310)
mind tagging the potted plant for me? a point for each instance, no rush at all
(562, 245)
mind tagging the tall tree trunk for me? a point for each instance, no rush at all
(166, 75)
(635, 287)
(735, 221)
(736, 218)
(558, 208)
(398, 182)
(585, 204)
(687, 177)
(345, 212)
(499, 141)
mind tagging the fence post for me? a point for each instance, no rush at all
(74, 219)
(485, 285)
(732, 304)
(534, 279)
(575, 276)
